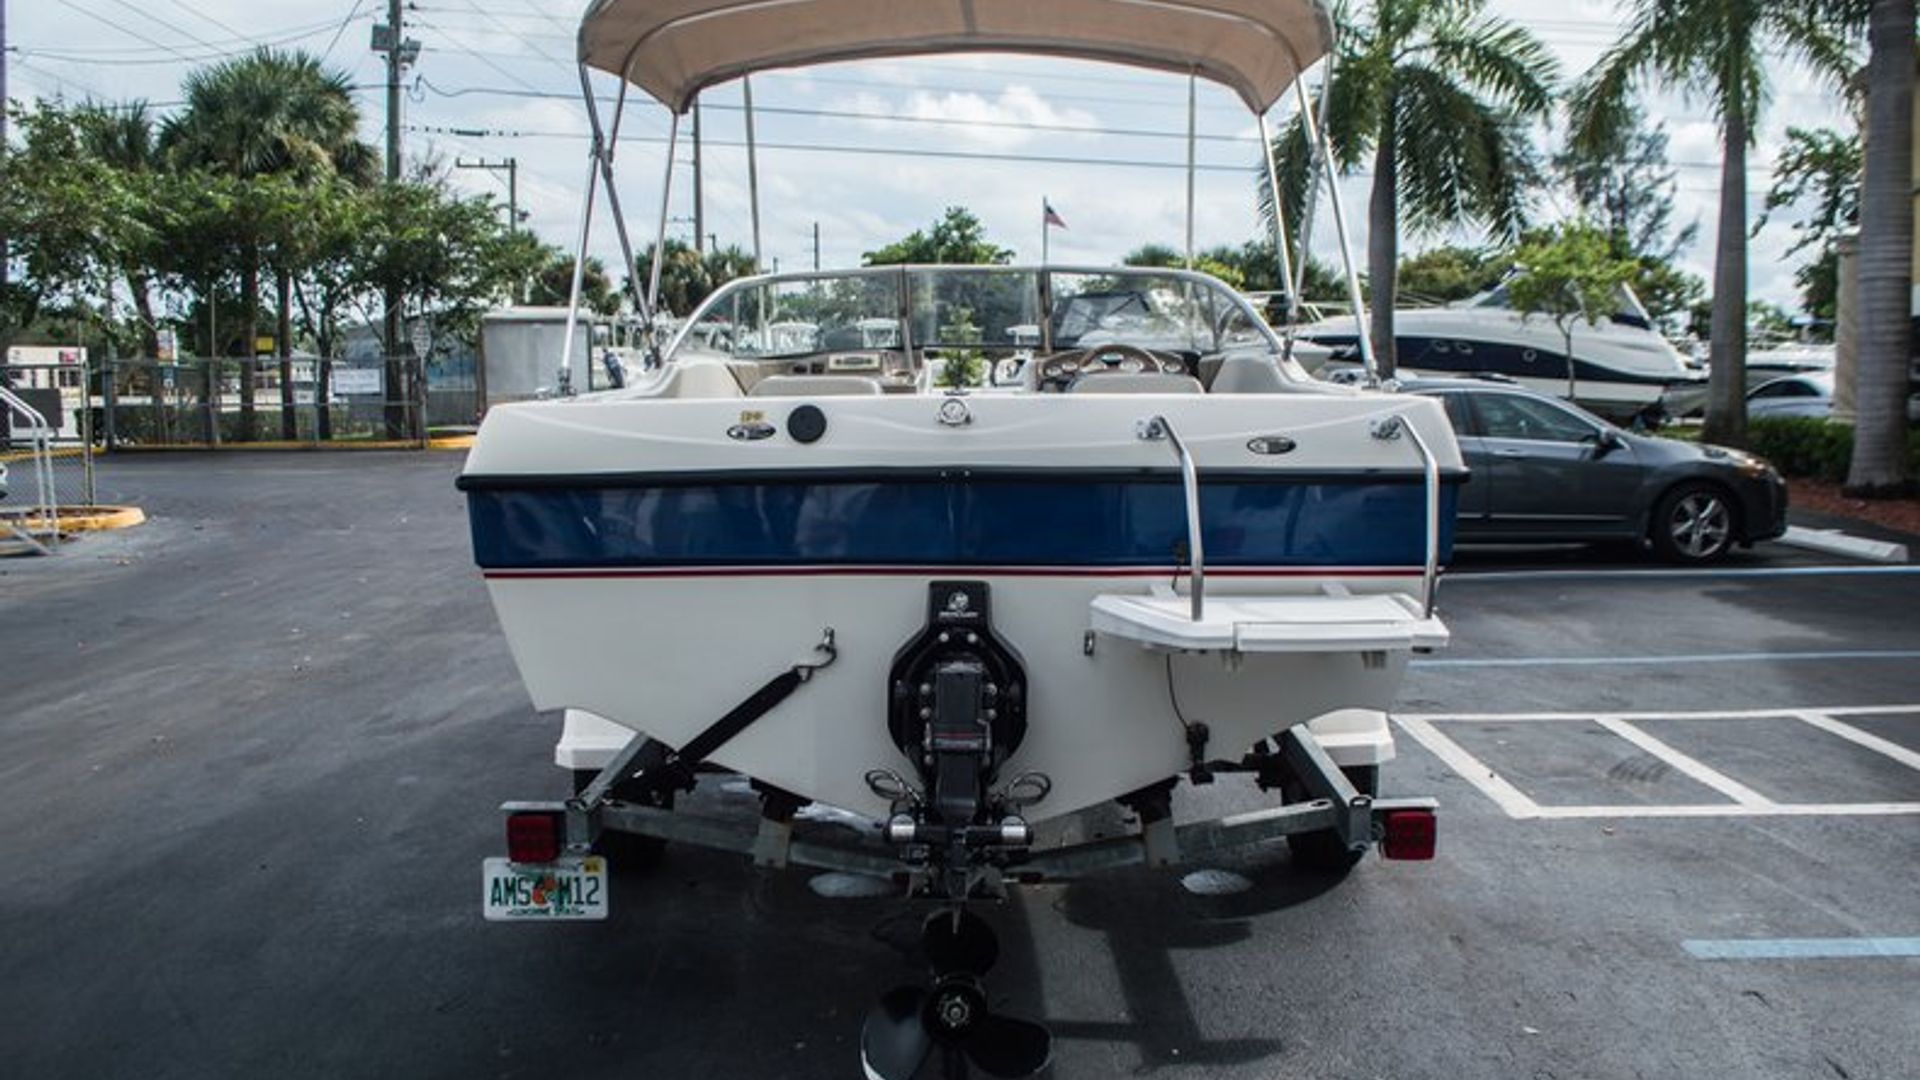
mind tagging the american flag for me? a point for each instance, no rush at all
(1050, 218)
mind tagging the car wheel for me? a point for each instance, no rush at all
(1693, 523)
(628, 852)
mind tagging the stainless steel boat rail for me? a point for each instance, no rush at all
(1389, 428)
(1155, 429)
(46, 506)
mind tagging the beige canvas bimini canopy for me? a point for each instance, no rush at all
(673, 49)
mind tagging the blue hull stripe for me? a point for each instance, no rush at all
(959, 522)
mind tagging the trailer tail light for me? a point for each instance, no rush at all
(533, 837)
(1410, 834)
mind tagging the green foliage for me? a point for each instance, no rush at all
(962, 367)
(1808, 447)
(1447, 274)
(1449, 90)
(957, 238)
(1622, 180)
(1569, 273)
(688, 277)
(1826, 167)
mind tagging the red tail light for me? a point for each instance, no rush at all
(533, 837)
(1410, 834)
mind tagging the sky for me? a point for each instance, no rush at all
(996, 134)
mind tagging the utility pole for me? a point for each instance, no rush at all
(699, 213)
(510, 166)
(390, 39)
(4, 101)
(816, 247)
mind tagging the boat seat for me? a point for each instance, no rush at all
(1270, 624)
(1144, 383)
(1248, 375)
(816, 386)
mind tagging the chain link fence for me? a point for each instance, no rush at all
(53, 395)
(145, 403)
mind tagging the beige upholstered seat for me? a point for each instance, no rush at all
(1143, 383)
(815, 386)
(1248, 375)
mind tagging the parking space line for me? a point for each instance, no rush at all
(1670, 659)
(1466, 577)
(1504, 795)
(1691, 766)
(1747, 803)
(1861, 738)
(1728, 810)
(1712, 714)
(1803, 948)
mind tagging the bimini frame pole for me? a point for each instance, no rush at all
(1311, 209)
(1317, 135)
(753, 171)
(1280, 244)
(660, 237)
(565, 375)
(1193, 91)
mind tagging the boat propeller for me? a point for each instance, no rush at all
(952, 1016)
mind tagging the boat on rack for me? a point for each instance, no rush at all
(961, 550)
(1620, 366)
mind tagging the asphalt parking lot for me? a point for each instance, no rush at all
(253, 753)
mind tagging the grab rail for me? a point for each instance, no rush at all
(1154, 429)
(1389, 428)
(41, 438)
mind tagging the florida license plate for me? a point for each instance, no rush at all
(569, 888)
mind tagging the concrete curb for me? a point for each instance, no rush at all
(1835, 542)
(82, 519)
(452, 442)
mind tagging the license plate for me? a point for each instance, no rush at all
(569, 888)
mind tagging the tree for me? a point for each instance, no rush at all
(1822, 166)
(688, 277)
(1715, 49)
(1880, 459)
(1448, 274)
(957, 238)
(124, 139)
(1571, 274)
(552, 284)
(265, 114)
(1439, 93)
(1623, 182)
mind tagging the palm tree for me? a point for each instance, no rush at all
(269, 113)
(123, 137)
(1439, 92)
(1716, 49)
(1886, 257)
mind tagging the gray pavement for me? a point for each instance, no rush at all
(251, 753)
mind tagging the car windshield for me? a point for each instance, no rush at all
(1002, 308)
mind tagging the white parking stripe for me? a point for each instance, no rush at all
(1504, 795)
(1467, 577)
(1670, 714)
(1862, 738)
(1693, 767)
(1425, 729)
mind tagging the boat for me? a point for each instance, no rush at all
(1620, 366)
(955, 552)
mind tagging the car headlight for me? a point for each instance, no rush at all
(1757, 468)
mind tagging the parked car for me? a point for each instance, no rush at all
(1547, 471)
(1807, 393)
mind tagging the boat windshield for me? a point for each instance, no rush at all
(994, 308)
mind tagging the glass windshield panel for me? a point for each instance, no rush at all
(1510, 416)
(1153, 311)
(797, 318)
(988, 308)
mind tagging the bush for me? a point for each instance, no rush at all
(1806, 447)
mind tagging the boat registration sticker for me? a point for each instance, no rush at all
(568, 888)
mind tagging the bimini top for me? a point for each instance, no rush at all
(673, 49)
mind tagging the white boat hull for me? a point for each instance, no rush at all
(635, 596)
